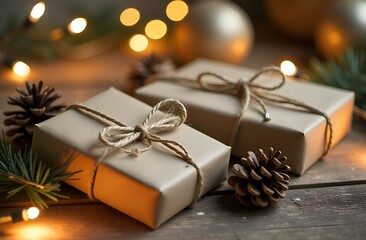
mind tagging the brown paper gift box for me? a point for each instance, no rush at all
(300, 135)
(152, 187)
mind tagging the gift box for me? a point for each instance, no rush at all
(302, 136)
(150, 187)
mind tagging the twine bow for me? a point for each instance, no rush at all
(247, 89)
(120, 136)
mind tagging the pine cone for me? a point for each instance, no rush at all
(150, 65)
(260, 181)
(36, 106)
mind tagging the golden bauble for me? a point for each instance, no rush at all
(215, 29)
(343, 26)
(296, 18)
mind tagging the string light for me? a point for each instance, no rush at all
(34, 16)
(21, 69)
(155, 29)
(130, 17)
(177, 10)
(21, 215)
(32, 212)
(77, 25)
(138, 42)
(37, 12)
(288, 68)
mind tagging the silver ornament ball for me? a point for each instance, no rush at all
(343, 26)
(215, 29)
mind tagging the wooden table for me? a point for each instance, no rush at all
(327, 202)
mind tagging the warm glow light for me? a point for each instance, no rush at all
(57, 34)
(34, 232)
(138, 43)
(21, 69)
(32, 212)
(334, 37)
(37, 12)
(77, 25)
(155, 29)
(177, 10)
(129, 17)
(288, 68)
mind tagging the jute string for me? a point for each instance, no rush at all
(120, 136)
(245, 90)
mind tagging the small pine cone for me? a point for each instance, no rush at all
(260, 181)
(36, 105)
(149, 66)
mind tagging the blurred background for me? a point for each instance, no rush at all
(82, 47)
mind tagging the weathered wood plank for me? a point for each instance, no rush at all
(317, 213)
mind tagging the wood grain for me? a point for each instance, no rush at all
(316, 213)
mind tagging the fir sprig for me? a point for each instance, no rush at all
(23, 172)
(347, 72)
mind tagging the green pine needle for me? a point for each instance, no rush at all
(23, 172)
(347, 72)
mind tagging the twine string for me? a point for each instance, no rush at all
(120, 136)
(247, 89)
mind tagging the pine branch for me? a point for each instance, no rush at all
(23, 172)
(347, 72)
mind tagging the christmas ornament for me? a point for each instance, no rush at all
(343, 26)
(150, 65)
(297, 18)
(24, 172)
(216, 29)
(348, 71)
(260, 180)
(36, 105)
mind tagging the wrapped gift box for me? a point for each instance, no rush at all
(151, 187)
(299, 134)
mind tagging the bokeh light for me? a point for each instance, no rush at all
(288, 68)
(21, 69)
(34, 231)
(177, 10)
(33, 212)
(139, 42)
(129, 16)
(37, 12)
(77, 25)
(155, 29)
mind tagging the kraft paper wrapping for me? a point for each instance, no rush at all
(300, 135)
(151, 187)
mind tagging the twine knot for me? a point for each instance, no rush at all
(120, 136)
(142, 130)
(243, 89)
